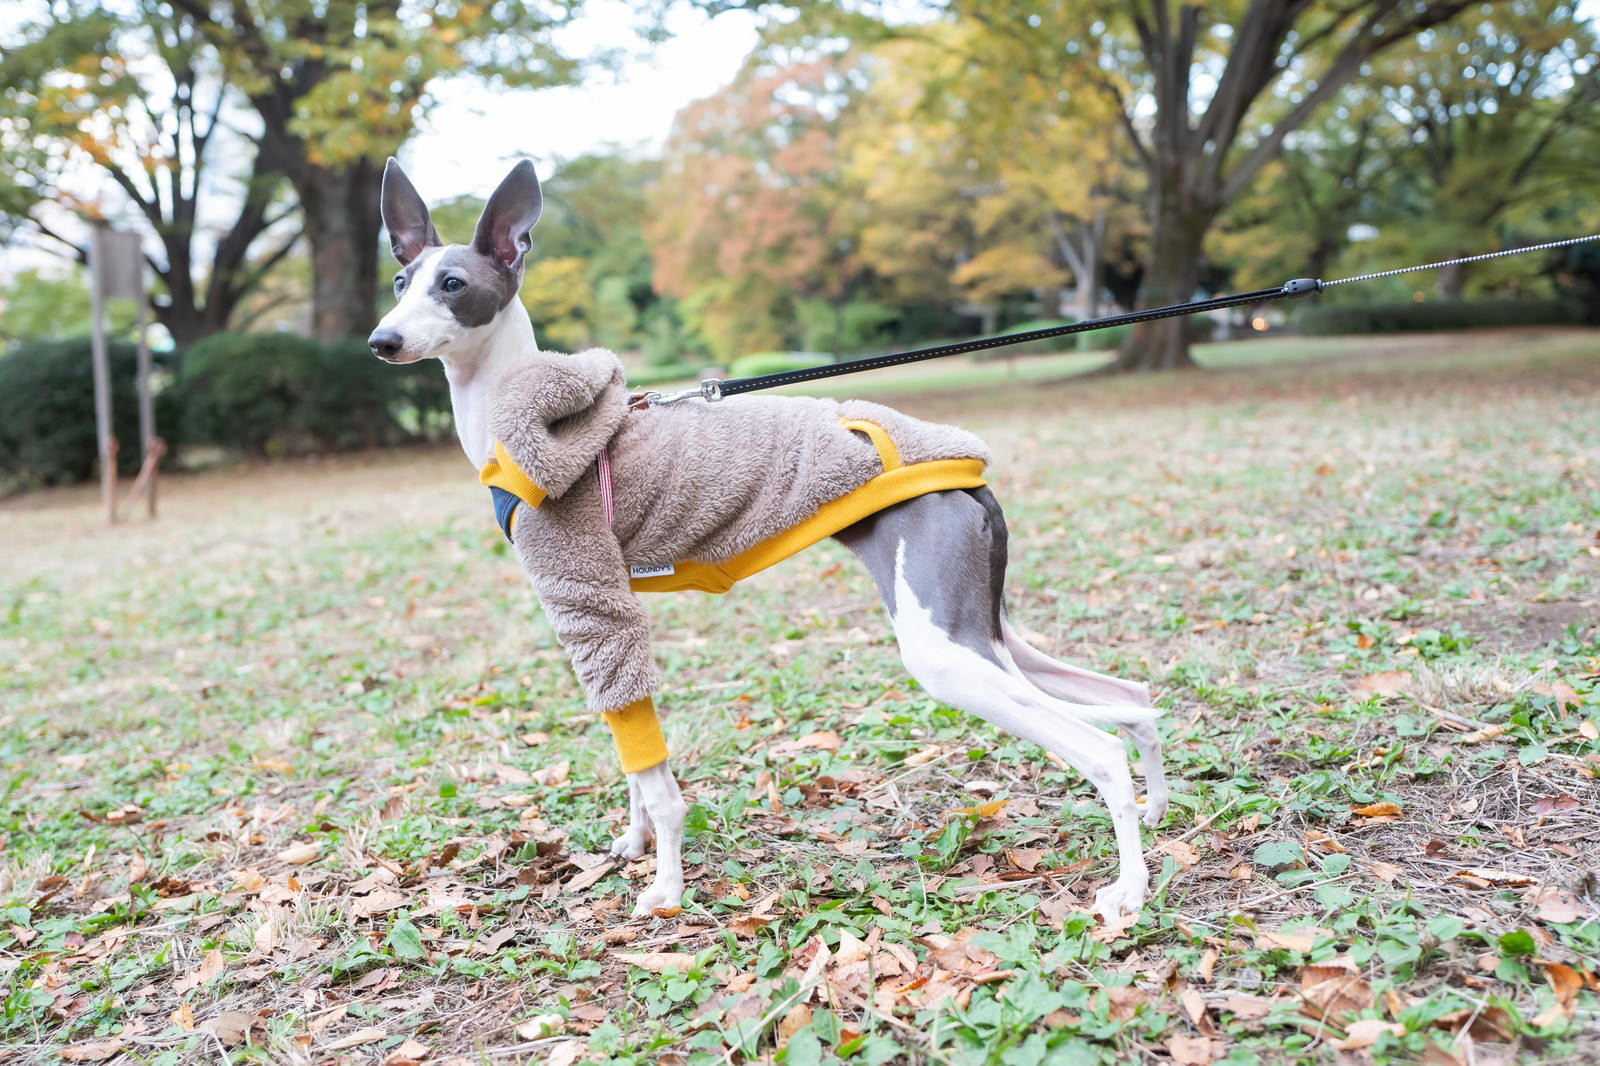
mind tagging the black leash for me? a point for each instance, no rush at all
(716, 389)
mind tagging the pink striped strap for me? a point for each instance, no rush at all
(603, 466)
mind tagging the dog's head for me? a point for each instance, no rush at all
(448, 293)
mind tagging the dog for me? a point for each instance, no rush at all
(938, 558)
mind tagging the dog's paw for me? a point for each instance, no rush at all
(1119, 899)
(1155, 809)
(656, 896)
(632, 844)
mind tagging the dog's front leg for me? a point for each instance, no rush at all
(662, 804)
(635, 840)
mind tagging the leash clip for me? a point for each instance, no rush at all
(709, 390)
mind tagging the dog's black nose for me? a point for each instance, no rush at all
(385, 343)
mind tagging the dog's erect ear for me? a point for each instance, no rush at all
(406, 216)
(512, 210)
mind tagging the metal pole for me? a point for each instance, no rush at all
(102, 374)
(147, 412)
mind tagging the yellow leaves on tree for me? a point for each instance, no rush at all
(557, 295)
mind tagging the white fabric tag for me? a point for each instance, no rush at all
(652, 571)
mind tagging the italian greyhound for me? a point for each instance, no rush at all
(938, 560)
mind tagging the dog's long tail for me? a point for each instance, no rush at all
(1097, 698)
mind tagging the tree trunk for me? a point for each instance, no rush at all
(1172, 271)
(341, 223)
(1093, 255)
(1452, 280)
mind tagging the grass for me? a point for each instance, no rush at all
(298, 773)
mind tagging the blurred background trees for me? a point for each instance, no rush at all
(873, 176)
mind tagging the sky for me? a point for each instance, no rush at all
(469, 141)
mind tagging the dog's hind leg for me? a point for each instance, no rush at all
(1077, 685)
(939, 561)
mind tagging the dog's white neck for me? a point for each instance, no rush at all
(474, 369)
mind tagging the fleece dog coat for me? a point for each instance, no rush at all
(705, 494)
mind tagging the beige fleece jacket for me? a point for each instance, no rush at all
(692, 481)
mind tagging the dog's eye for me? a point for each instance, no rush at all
(453, 285)
(399, 283)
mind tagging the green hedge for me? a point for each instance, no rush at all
(261, 394)
(758, 363)
(270, 394)
(1323, 319)
(47, 430)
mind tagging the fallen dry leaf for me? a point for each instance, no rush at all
(1365, 1033)
(299, 853)
(822, 740)
(1558, 907)
(798, 1018)
(1478, 736)
(95, 1052)
(265, 937)
(410, 1051)
(1564, 694)
(1551, 804)
(1385, 684)
(209, 967)
(1245, 1006)
(183, 1018)
(1333, 989)
(540, 1026)
(566, 1053)
(980, 811)
(231, 1026)
(1565, 982)
(370, 1034)
(1381, 809)
(1208, 962)
(1300, 940)
(655, 961)
(1193, 1050)
(850, 950)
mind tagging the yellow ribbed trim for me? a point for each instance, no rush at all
(502, 472)
(637, 732)
(888, 454)
(885, 490)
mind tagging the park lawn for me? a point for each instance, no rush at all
(299, 773)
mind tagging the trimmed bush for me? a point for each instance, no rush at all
(47, 431)
(759, 363)
(271, 394)
(1318, 320)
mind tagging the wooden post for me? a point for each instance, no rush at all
(107, 446)
(147, 411)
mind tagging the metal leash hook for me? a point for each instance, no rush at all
(709, 390)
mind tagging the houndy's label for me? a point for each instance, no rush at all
(652, 571)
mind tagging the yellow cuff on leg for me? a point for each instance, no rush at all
(637, 732)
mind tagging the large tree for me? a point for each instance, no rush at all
(1207, 96)
(334, 87)
(338, 86)
(1496, 117)
(131, 93)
